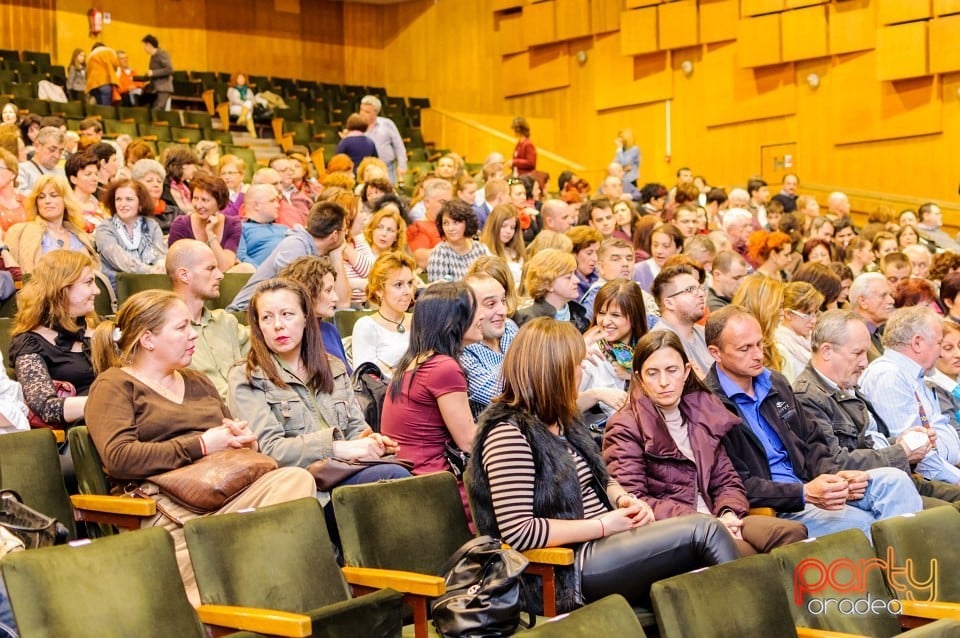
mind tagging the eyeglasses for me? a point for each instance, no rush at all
(689, 290)
(222, 173)
(802, 315)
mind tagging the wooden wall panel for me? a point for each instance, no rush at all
(881, 110)
(510, 33)
(719, 21)
(759, 7)
(29, 25)
(946, 7)
(573, 19)
(536, 70)
(902, 51)
(677, 24)
(539, 23)
(895, 11)
(638, 31)
(944, 52)
(605, 15)
(758, 41)
(636, 4)
(629, 80)
(501, 5)
(852, 26)
(804, 33)
(740, 94)
(797, 4)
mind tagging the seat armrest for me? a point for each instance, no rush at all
(406, 582)
(114, 504)
(806, 632)
(548, 555)
(930, 609)
(262, 621)
(762, 511)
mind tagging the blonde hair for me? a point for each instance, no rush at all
(549, 239)
(72, 211)
(401, 242)
(385, 264)
(544, 268)
(762, 297)
(802, 297)
(367, 162)
(491, 233)
(232, 160)
(142, 312)
(43, 299)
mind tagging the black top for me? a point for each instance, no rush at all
(62, 364)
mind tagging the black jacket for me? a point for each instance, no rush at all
(541, 308)
(804, 443)
(842, 418)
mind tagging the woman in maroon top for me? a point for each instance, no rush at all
(426, 405)
(524, 153)
(207, 223)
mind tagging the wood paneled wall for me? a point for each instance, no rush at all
(884, 118)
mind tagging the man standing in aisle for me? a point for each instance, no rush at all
(386, 136)
(160, 74)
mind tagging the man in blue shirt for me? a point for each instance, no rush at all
(785, 462)
(261, 233)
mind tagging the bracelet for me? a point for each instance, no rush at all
(603, 531)
(203, 447)
(617, 501)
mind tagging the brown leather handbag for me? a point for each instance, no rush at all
(209, 483)
(329, 473)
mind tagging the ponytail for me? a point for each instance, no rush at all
(103, 347)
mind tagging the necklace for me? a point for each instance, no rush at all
(156, 386)
(398, 324)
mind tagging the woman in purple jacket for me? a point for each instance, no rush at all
(208, 224)
(664, 447)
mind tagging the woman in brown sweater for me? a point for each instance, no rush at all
(148, 413)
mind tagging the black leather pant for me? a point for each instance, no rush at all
(630, 562)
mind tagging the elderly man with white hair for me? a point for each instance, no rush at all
(894, 383)
(838, 205)
(386, 136)
(737, 223)
(920, 260)
(871, 297)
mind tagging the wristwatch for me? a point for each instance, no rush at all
(4, 247)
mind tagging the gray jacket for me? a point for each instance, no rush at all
(161, 78)
(842, 417)
(296, 426)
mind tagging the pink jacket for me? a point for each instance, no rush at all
(642, 456)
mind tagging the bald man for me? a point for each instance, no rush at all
(221, 340)
(557, 215)
(261, 232)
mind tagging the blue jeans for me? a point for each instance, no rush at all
(103, 94)
(890, 493)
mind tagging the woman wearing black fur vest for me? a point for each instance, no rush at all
(536, 479)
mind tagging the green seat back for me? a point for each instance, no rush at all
(229, 287)
(807, 562)
(732, 600)
(126, 585)
(30, 465)
(346, 318)
(412, 524)
(298, 573)
(921, 538)
(610, 616)
(129, 284)
(86, 462)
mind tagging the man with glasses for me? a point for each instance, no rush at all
(322, 236)
(681, 298)
(830, 399)
(48, 147)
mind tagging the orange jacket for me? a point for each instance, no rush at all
(102, 68)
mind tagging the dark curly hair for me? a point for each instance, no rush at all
(459, 211)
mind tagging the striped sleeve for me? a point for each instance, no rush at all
(508, 462)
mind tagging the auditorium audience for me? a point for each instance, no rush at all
(318, 277)
(207, 223)
(551, 282)
(451, 258)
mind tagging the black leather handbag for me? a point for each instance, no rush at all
(485, 595)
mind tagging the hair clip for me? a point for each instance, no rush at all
(117, 335)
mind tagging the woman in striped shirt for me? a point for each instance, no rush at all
(536, 479)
